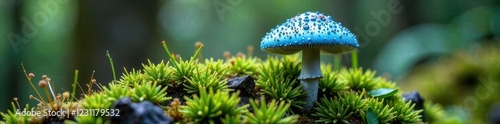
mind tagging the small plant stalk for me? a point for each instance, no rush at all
(170, 55)
(354, 58)
(74, 86)
(47, 94)
(337, 61)
(31, 83)
(250, 50)
(112, 66)
(51, 91)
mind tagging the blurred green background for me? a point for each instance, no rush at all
(55, 37)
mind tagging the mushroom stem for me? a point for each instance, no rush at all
(310, 64)
(354, 59)
(310, 75)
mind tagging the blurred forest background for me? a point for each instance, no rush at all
(55, 37)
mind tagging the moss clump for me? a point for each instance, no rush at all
(212, 107)
(200, 94)
(206, 79)
(157, 73)
(270, 113)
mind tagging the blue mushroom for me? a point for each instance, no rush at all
(310, 32)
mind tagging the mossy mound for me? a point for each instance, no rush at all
(196, 91)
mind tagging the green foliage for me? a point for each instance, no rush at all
(344, 99)
(330, 84)
(12, 118)
(184, 70)
(96, 101)
(383, 92)
(371, 118)
(354, 101)
(384, 83)
(290, 66)
(150, 91)
(236, 119)
(114, 92)
(278, 80)
(283, 89)
(112, 66)
(159, 73)
(132, 77)
(271, 113)
(212, 107)
(357, 79)
(404, 112)
(205, 79)
(219, 67)
(240, 66)
(384, 113)
(331, 110)
(340, 109)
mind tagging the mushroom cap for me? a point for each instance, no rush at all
(309, 30)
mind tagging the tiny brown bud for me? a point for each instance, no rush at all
(198, 44)
(44, 77)
(240, 54)
(175, 102)
(93, 81)
(42, 83)
(32, 97)
(231, 61)
(15, 98)
(66, 94)
(31, 75)
(227, 54)
(250, 48)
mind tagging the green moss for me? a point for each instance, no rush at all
(150, 91)
(159, 72)
(331, 110)
(183, 71)
(208, 99)
(114, 92)
(404, 112)
(96, 101)
(358, 79)
(331, 84)
(283, 89)
(205, 79)
(132, 77)
(240, 66)
(270, 113)
(212, 107)
(385, 113)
